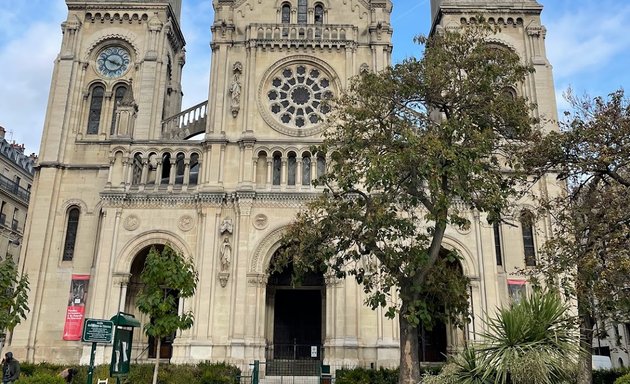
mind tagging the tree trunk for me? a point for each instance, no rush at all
(157, 359)
(585, 363)
(409, 364)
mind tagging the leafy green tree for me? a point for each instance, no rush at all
(167, 277)
(414, 149)
(14, 297)
(589, 255)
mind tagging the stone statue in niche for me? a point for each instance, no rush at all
(235, 88)
(226, 255)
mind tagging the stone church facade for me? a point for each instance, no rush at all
(122, 169)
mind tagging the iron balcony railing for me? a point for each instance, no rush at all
(14, 188)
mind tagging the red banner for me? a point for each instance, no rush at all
(76, 307)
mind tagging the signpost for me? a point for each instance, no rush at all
(121, 353)
(96, 331)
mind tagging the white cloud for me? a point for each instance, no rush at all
(28, 70)
(587, 39)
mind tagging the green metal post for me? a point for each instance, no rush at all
(255, 372)
(91, 368)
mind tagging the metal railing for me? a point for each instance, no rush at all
(294, 351)
(14, 188)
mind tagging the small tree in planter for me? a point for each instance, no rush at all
(13, 298)
(167, 277)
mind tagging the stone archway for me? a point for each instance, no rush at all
(133, 289)
(436, 343)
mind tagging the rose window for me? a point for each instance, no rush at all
(297, 96)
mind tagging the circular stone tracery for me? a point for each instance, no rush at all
(297, 96)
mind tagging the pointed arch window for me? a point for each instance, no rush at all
(527, 227)
(71, 233)
(96, 107)
(302, 11)
(286, 13)
(119, 94)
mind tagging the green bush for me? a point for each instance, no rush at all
(625, 379)
(202, 373)
(608, 376)
(41, 378)
(217, 373)
(366, 376)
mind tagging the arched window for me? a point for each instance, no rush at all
(527, 227)
(119, 93)
(166, 168)
(302, 11)
(179, 168)
(136, 174)
(292, 168)
(71, 233)
(306, 169)
(277, 168)
(319, 14)
(194, 169)
(286, 13)
(96, 106)
(321, 165)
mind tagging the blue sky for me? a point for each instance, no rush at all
(588, 44)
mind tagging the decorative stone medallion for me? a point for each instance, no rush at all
(186, 223)
(131, 223)
(260, 221)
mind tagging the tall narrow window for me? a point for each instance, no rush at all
(14, 222)
(119, 93)
(136, 174)
(319, 14)
(302, 11)
(277, 168)
(527, 222)
(96, 106)
(71, 233)
(286, 13)
(497, 243)
(321, 165)
(292, 168)
(306, 169)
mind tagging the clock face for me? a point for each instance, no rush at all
(113, 62)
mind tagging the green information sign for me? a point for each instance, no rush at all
(97, 331)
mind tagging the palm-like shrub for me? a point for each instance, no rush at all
(533, 341)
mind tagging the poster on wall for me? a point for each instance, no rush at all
(517, 289)
(75, 311)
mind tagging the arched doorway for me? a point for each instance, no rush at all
(435, 343)
(295, 323)
(134, 288)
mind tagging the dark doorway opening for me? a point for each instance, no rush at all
(432, 344)
(135, 286)
(297, 324)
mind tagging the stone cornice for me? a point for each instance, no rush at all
(205, 199)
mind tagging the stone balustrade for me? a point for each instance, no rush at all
(315, 35)
(187, 123)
